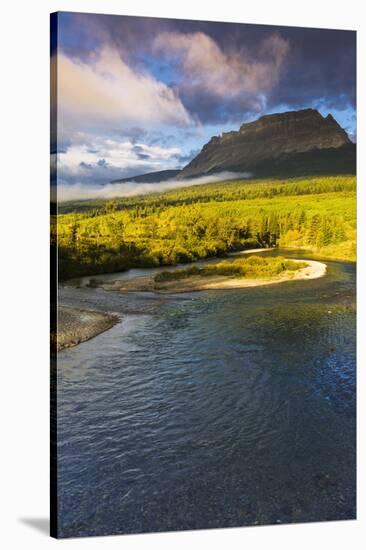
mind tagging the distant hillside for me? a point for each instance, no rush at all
(293, 143)
(151, 177)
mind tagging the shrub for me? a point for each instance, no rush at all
(253, 267)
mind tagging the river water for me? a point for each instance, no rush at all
(211, 409)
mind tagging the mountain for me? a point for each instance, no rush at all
(296, 143)
(151, 177)
(292, 143)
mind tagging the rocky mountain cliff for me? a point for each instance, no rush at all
(293, 143)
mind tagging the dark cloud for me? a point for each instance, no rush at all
(140, 152)
(102, 163)
(211, 109)
(86, 165)
(320, 69)
(320, 66)
(137, 149)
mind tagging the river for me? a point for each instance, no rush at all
(212, 409)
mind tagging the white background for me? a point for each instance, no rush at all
(24, 135)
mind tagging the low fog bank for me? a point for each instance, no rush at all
(131, 189)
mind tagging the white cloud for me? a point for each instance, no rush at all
(226, 74)
(97, 160)
(106, 89)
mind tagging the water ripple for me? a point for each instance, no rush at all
(234, 408)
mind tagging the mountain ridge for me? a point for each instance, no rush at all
(150, 177)
(293, 143)
(275, 139)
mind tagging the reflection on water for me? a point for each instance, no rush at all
(210, 409)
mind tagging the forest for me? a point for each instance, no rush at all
(183, 225)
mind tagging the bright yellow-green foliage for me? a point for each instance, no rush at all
(202, 221)
(254, 267)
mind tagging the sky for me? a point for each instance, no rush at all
(137, 95)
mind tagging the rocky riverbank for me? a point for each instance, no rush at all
(76, 325)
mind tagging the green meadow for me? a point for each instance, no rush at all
(187, 224)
